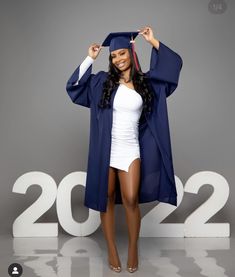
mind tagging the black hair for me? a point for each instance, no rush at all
(139, 81)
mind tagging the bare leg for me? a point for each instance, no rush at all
(108, 222)
(129, 182)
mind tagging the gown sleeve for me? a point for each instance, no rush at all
(84, 66)
(78, 86)
(165, 66)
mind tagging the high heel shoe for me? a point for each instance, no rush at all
(115, 268)
(132, 269)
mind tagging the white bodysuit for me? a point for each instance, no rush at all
(127, 109)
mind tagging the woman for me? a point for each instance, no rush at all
(130, 159)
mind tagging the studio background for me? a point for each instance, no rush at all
(42, 42)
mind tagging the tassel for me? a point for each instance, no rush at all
(134, 54)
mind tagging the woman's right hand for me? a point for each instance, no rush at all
(94, 50)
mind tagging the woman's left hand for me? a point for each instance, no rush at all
(147, 33)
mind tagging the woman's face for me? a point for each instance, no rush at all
(121, 59)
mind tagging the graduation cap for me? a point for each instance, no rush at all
(121, 40)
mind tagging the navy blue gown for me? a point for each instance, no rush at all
(157, 181)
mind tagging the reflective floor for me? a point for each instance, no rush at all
(68, 256)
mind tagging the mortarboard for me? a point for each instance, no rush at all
(120, 40)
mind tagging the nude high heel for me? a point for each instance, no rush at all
(132, 269)
(115, 268)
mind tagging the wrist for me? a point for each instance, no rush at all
(154, 42)
(91, 58)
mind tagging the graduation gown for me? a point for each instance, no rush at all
(157, 180)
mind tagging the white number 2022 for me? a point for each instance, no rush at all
(151, 225)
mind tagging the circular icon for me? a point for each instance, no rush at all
(217, 6)
(15, 270)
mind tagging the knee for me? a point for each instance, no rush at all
(130, 202)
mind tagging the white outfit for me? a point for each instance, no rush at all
(127, 109)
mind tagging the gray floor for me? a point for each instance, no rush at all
(68, 256)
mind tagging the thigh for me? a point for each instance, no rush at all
(130, 181)
(111, 181)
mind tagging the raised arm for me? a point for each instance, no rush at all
(80, 92)
(78, 86)
(84, 67)
(165, 64)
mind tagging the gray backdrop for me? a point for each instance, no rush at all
(42, 42)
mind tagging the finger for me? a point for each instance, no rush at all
(150, 30)
(144, 31)
(141, 30)
(98, 48)
(95, 45)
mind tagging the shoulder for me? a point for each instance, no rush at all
(99, 77)
(102, 74)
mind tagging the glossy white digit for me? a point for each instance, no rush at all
(64, 211)
(24, 225)
(195, 224)
(151, 225)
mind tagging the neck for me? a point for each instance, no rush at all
(125, 75)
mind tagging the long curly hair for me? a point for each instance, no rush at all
(139, 81)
